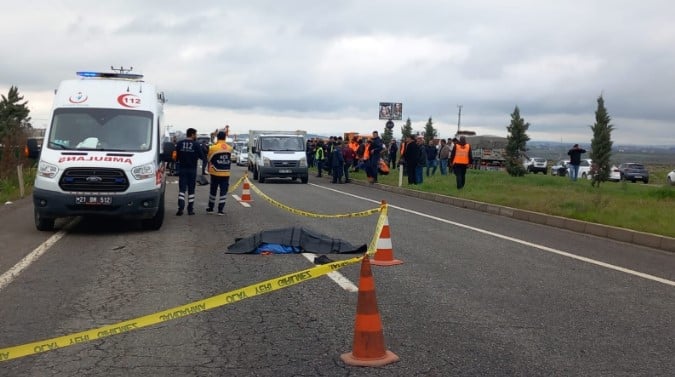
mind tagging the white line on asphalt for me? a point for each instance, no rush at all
(530, 244)
(13, 272)
(337, 277)
(245, 204)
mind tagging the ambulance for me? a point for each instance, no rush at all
(104, 151)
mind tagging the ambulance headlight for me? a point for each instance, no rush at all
(144, 171)
(303, 162)
(47, 170)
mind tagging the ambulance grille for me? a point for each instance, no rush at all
(94, 180)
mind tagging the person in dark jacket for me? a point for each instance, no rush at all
(575, 160)
(376, 147)
(393, 149)
(349, 156)
(337, 162)
(410, 156)
(188, 152)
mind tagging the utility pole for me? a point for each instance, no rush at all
(459, 117)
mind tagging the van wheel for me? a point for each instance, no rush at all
(304, 179)
(584, 176)
(255, 173)
(156, 221)
(261, 179)
(42, 223)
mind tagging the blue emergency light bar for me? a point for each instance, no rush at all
(110, 75)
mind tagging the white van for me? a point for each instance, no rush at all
(278, 154)
(104, 151)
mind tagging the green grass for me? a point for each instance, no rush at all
(9, 185)
(645, 208)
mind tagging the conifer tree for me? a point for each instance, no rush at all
(516, 141)
(406, 129)
(430, 132)
(387, 135)
(601, 144)
(14, 122)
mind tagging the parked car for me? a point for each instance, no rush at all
(614, 174)
(585, 168)
(671, 178)
(536, 165)
(632, 171)
(560, 168)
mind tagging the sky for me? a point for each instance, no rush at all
(324, 67)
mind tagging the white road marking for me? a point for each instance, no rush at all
(526, 243)
(8, 277)
(337, 277)
(245, 204)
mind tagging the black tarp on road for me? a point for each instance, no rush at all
(306, 240)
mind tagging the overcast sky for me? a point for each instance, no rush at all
(324, 66)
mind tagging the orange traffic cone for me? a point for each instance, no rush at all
(246, 191)
(368, 347)
(384, 255)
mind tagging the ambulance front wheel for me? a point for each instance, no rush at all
(43, 223)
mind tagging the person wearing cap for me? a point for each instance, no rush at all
(461, 159)
(188, 152)
(575, 160)
(220, 160)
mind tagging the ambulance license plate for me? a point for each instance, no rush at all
(93, 200)
(285, 171)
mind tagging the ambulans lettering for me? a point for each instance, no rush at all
(263, 288)
(236, 297)
(45, 347)
(293, 279)
(79, 339)
(117, 330)
(129, 100)
(183, 312)
(112, 159)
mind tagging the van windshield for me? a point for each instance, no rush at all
(282, 143)
(101, 129)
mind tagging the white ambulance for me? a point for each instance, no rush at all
(104, 151)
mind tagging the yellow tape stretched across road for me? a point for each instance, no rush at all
(14, 352)
(230, 297)
(234, 186)
(300, 212)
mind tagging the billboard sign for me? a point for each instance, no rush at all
(391, 110)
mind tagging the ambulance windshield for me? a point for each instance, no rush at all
(101, 129)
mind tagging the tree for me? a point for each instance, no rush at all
(14, 122)
(516, 141)
(430, 132)
(14, 117)
(406, 129)
(387, 135)
(601, 144)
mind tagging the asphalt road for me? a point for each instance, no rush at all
(477, 294)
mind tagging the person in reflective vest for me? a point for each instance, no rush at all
(460, 158)
(220, 161)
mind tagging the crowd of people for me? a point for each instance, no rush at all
(337, 157)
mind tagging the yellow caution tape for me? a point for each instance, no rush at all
(213, 302)
(300, 212)
(234, 187)
(257, 289)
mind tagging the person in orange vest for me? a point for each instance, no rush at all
(461, 159)
(220, 160)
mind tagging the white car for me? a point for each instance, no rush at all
(535, 165)
(560, 168)
(670, 178)
(584, 168)
(614, 174)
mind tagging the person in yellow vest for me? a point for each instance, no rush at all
(220, 160)
(460, 157)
